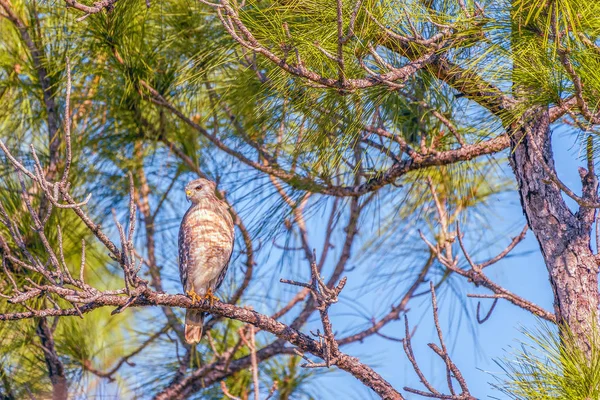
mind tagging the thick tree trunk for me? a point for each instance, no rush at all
(564, 237)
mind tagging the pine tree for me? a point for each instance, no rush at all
(314, 118)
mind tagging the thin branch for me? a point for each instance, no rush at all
(489, 313)
(452, 371)
(98, 6)
(479, 278)
(227, 393)
(110, 373)
(581, 201)
(516, 240)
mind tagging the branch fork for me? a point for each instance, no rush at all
(323, 296)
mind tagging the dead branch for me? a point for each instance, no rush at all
(250, 343)
(444, 253)
(227, 393)
(272, 390)
(452, 371)
(323, 297)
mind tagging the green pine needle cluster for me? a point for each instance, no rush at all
(548, 366)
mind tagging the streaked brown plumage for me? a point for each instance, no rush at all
(206, 240)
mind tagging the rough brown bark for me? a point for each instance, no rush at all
(564, 237)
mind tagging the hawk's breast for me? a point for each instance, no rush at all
(205, 245)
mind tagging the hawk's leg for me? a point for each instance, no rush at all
(194, 296)
(210, 297)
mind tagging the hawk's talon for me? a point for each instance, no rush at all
(194, 296)
(210, 297)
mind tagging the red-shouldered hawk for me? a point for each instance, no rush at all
(206, 240)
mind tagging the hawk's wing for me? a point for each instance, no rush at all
(224, 211)
(184, 250)
(224, 270)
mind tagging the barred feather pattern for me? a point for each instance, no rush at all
(206, 238)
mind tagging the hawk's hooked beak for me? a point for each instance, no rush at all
(188, 193)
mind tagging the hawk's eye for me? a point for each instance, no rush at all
(198, 187)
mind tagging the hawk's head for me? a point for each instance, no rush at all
(199, 189)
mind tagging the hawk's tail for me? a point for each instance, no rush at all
(193, 325)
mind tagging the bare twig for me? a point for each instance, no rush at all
(489, 313)
(323, 297)
(452, 371)
(227, 393)
(443, 252)
(250, 343)
(272, 390)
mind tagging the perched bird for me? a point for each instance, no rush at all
(206, 238)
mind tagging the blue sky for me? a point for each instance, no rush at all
(473, 347)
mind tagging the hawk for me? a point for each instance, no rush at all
(206, 237)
